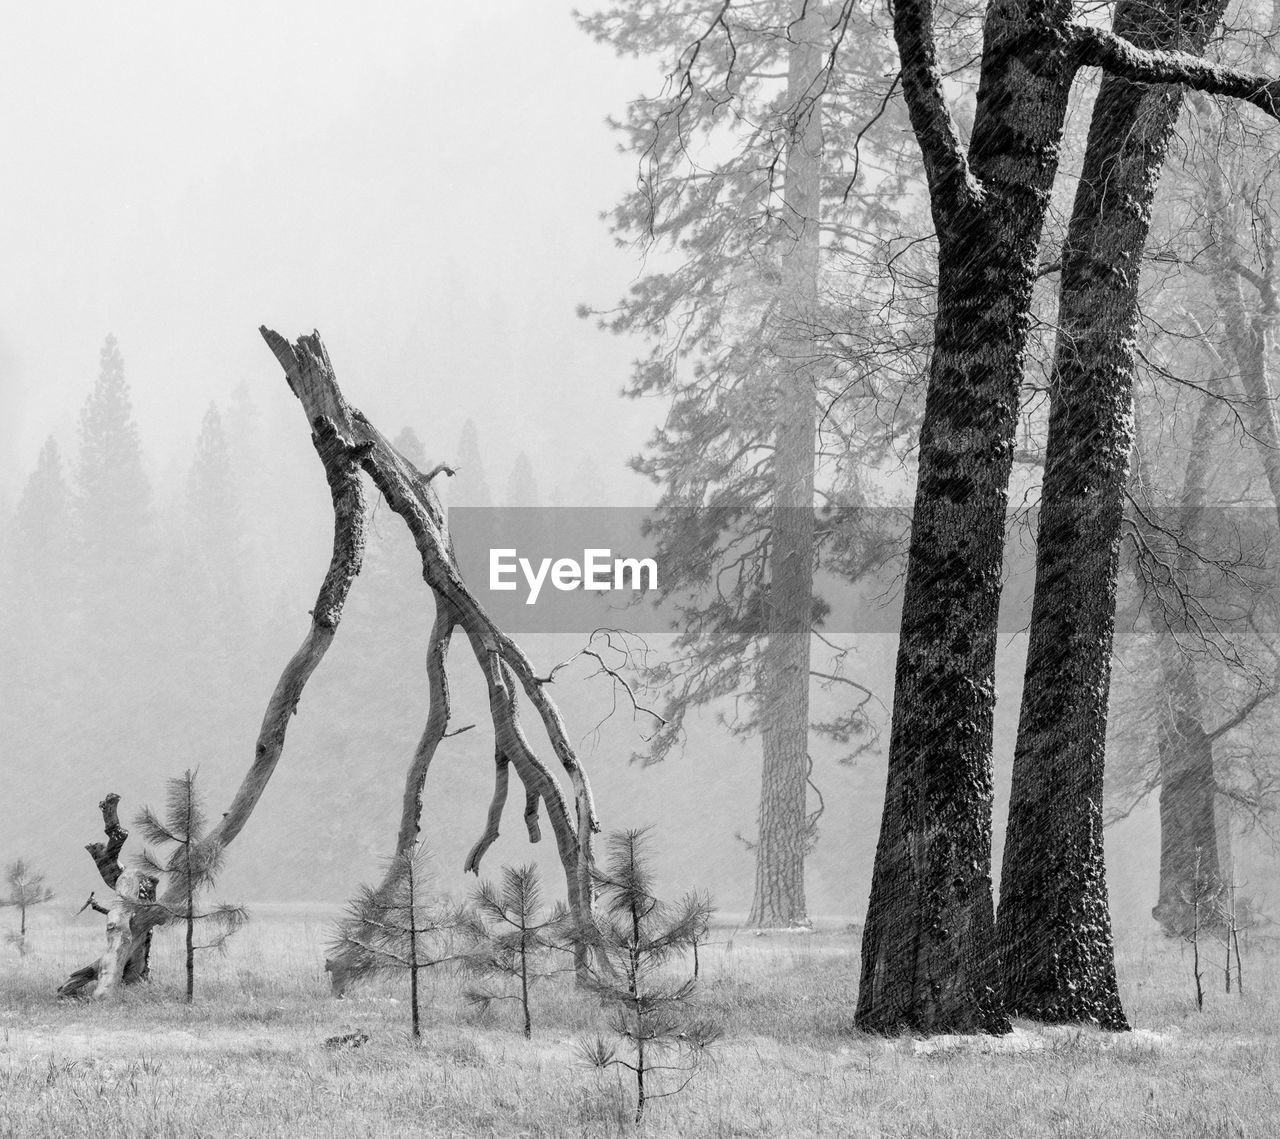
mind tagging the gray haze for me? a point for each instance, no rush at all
(423, 185)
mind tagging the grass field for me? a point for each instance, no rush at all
(249, 1057)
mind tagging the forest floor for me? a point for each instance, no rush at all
(248, 1057)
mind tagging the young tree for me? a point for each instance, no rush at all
(635, 935)
(399, 927)
(515, 937)
(191, 868)
(26, 890)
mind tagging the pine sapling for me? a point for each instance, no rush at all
(401, 927)
(191, 867)
(515, 940)
(26, 889)
(634, 935)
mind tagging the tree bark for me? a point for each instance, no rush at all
(128, 952)
(1055, 939)
(783, 679)
(928, 960)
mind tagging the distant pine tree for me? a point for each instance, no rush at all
(522, 487)
(43, 524)
(113, 495)
(410, 446)
(469, 486)
(213, 507)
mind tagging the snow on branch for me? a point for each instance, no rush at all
(1097, 47)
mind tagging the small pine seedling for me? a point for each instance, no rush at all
(398, 928)
(514, 938)
(26, 889)
(191, 868)
(634, 935)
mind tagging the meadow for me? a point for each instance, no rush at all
(249, 1058)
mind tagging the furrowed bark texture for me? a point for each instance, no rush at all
(505, 668)
(783, 679)
(1054, 923)
(928, 952)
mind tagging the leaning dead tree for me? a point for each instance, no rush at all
(349, 445)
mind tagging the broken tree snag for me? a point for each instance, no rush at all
(106, 855)
(409, 494)
(128, 953)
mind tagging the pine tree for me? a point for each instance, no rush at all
(522, 487)
(213, 507)
(113, 495)
(635, 935)
(469, 486)
(26, 890)
(43, 522)
(515, 937)
(763, 404)
(192, 867)
(401, 927)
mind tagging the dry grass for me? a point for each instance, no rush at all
(248, 1057)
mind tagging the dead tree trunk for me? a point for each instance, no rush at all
(506, 669)
(128, 949)
(348, 444)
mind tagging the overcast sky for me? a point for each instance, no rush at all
(420, 182)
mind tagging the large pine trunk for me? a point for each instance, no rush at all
(783, 679)
(1058, 960)
(928, 951)
(1190, 862)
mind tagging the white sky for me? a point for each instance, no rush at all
(421, 182)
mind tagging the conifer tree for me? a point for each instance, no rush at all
(635, 935)
(751, 179)
(469, 487)
(401, 927)
(191, 867)
(113, 495)
(515, 937)
(214, 509)
(26, 890)
(522, 487)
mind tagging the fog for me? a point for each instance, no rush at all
(423, 185)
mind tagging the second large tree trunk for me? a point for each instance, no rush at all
(928, 948)
(1054, 922)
